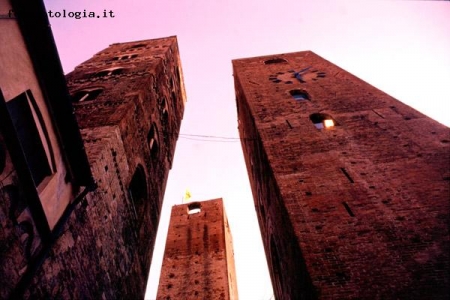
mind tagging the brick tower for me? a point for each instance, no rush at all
(198, 260)
(351, 186)
(129, 101)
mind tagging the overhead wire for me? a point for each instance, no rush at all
(205, 138)
(210, 140)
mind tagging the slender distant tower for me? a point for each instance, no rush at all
(351, 186)
(198, 260)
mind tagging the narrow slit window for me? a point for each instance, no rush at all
(163, 106)
(152, 140)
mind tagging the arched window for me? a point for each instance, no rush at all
(299, 95)
(87, 94)
(138, 189)
(322, 120)
(164, 111)
(152, 141)
(275, 61)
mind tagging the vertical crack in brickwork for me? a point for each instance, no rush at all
(347, 175)
(380, 115)
(348, 209)
(289, 124)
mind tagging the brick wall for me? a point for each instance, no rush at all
(198, 259)
(358, 210)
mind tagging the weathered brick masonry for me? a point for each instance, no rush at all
(198, 260)
(356, 210)
(129, 101)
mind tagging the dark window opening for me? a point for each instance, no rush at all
(29, 138)
(103, 73)
(86, 95)
(138, 46)
(322, 120)
(299, 95)
(163, 107)
(152, 141)
(125, 57)
(110, 72)
(138, 190)
(164, 111)
(194, 208)
(275, 61)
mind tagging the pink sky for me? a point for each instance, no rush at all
(400, 47)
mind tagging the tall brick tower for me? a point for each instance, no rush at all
(198, 260)
(129, 101)
(351, 186)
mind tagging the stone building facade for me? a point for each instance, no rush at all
(351, 186)
(199, 259)
(44, 171)
(83, 165)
